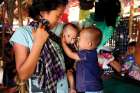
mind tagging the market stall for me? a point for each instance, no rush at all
(118, 20)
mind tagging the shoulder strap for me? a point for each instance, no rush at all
(54, 37)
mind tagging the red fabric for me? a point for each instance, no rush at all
(64, 18)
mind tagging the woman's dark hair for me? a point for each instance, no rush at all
(44, 5)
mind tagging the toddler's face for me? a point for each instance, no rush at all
(82, 42)
(70, 35)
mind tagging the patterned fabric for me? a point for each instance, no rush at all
(122, 36)
(104, 59)
(131, 68)
(49, 68)
(134, 74)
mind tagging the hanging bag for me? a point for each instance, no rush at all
(22, 86)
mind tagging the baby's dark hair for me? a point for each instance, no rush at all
(71, 24)
(44, 5)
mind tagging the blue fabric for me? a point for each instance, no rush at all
(88, 72)
(96, 92)
(23, 36)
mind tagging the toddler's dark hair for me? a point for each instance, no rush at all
(95, 30)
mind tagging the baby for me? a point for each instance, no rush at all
(70, 31)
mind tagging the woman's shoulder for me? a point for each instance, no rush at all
(22, 35)
(24, 29)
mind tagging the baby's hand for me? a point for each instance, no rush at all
(63, 39)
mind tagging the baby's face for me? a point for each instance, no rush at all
(70, 35)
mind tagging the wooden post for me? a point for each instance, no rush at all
(138, 28)
(10, 11)
(3, 27)
(131, 18)
(20, 12)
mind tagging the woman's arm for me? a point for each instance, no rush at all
(25, 61)
(115, 65)
(137, 55)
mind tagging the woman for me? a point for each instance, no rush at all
(38, 56)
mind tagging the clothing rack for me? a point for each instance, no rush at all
(6, 24)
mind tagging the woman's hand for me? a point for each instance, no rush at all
(41, 35)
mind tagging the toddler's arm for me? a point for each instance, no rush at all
(68, 51)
